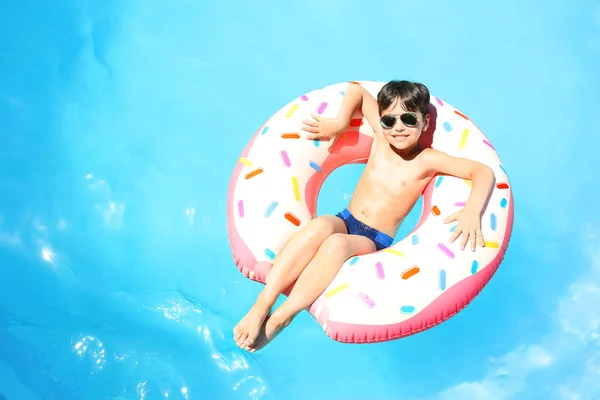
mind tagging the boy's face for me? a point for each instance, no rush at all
(402, 128)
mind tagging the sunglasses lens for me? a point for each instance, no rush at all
(388, 121)
(408, 119)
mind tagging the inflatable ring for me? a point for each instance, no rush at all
(413, 285)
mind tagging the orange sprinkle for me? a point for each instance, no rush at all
(461, 114)
(356, 122)
(410, 272)
(290, 135)
(354, 83)
(254, 173)
(502, 185)
(435, 210)
(292, 218)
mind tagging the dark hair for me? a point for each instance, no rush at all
(413, 95)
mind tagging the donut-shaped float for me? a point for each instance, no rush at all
(419, 281)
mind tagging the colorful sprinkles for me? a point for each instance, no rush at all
(296, 188)
(337, 290)
(407, 309)
(379, 270)
(285, 158)
(292, 218)
(442, 279)
(445, 250)
(272, 206)
(412, 271)
(254, 173)
(366, 300)
(292, 111)
(246, 162)
(314, 166)
(322, 107)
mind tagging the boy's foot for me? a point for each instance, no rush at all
(272, 326)
(248, 329)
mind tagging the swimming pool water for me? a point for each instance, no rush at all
(120, 124)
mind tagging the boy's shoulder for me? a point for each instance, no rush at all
(432, 158)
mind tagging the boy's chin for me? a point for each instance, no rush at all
(401, 145)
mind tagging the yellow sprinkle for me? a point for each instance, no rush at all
(395, 252)
(492, 245)
(294, 107)
(463, 139)
(468, 182)
(245, 161)
(296, 188)
(336, 290)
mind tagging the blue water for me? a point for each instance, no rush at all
(120, 124)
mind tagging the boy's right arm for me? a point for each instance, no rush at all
(354, 97)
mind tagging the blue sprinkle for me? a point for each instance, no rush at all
(503, 203)
(264, 130)
(354, 260)
(342, 92)
(415, 240)
(407, 309)
(315, 166)
(493, 221)
(447, 126)
(269, 253)
(270, 209)
(317, 143)
(453, 228)
(442, 279)
(502, 168)
(474, 266)
(439, 181)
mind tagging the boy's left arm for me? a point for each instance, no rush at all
(483, 180)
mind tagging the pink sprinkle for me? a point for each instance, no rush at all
(366, 299)
(241, 208)
(304, 97)
(379, 270)
(489, 144)
(322, 107)
(460, 204)
(285, 158)
(446, 250)
(441, 103)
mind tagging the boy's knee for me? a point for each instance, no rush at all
(323, 225)
(336, 243)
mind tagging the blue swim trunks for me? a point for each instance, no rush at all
(355, 227)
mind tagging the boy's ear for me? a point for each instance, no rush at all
(426, 124)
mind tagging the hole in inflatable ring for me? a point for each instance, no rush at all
(336, 192)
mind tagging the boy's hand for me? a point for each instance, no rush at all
(323, 128)
(469, 225)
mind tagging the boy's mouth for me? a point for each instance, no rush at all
(400, 137)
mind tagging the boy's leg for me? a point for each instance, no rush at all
(315, 278)
(288, 266)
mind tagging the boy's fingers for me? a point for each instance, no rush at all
(480, 239)
(309, 129)
(455, 234)
(465, 239)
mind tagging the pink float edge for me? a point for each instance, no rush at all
(445, 306)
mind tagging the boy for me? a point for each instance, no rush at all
(397, 172)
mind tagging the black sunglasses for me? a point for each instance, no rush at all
(408, 119)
